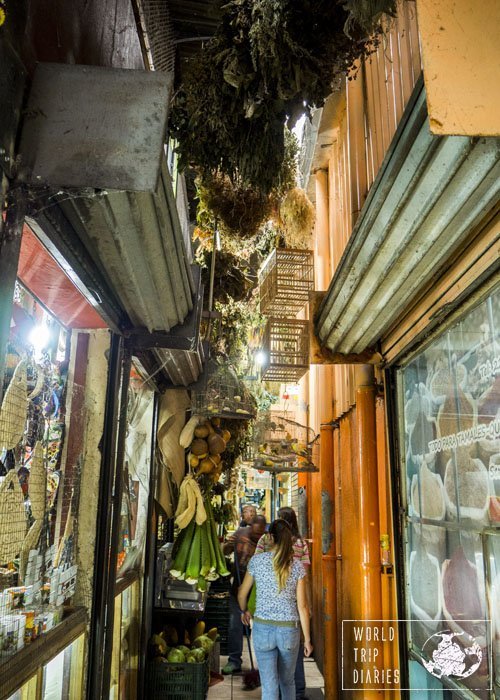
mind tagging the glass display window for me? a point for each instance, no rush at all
(448, 398)
(63, 675)
(29, 690)
(126, 636)
(136, 475)
(39, 490)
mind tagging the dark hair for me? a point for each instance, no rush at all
(259, 520)
(290, 516)
(283, 556)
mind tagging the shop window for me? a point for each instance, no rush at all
(63, 675)
(126, 634)
(450, 427)
(136, 476)
(41, 426)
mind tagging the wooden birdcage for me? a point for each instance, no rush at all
(286, 349)
(285, 280)
(281, 444)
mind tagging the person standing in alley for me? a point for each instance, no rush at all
(243, 544)
(248, 513)
(301, 554)
(281, 610)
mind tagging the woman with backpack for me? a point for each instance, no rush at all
(281, 610)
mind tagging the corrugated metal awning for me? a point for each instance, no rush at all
(135, 238)
(430, 192)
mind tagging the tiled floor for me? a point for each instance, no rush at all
(222, 691)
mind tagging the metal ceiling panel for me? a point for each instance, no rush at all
(430, 193)
(89, 126)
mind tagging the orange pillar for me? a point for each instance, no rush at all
(322, 270)
(370, 588)
(328, 551)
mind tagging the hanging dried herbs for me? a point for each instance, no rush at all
(233, 276)
(238, 210)
(296, 218)
(367, 13)
(269, 62)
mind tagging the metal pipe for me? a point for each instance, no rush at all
(190, 39)
(212, 270)
(328, 561)
(370, 585)
(103, 524)
(115, 522)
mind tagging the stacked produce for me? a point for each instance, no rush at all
(198, 557)
(165, 647)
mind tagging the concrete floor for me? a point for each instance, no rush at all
(222, 691)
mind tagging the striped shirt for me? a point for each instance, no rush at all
(300, 548)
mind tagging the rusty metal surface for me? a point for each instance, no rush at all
(326, 515)
(95, 127)
(429, 195)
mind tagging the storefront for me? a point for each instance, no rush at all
(409, 253)
(448, 395)
(51, 422)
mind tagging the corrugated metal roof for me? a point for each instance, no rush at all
(431, 191)
(136, 241)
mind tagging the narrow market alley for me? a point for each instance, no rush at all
(249, 350)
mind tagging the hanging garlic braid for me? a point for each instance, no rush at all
(283, 553)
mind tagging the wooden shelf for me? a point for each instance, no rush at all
(21, 666)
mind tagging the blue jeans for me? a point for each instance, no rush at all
(276, 649)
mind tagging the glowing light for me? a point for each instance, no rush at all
(260, 357)
(39, 339)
